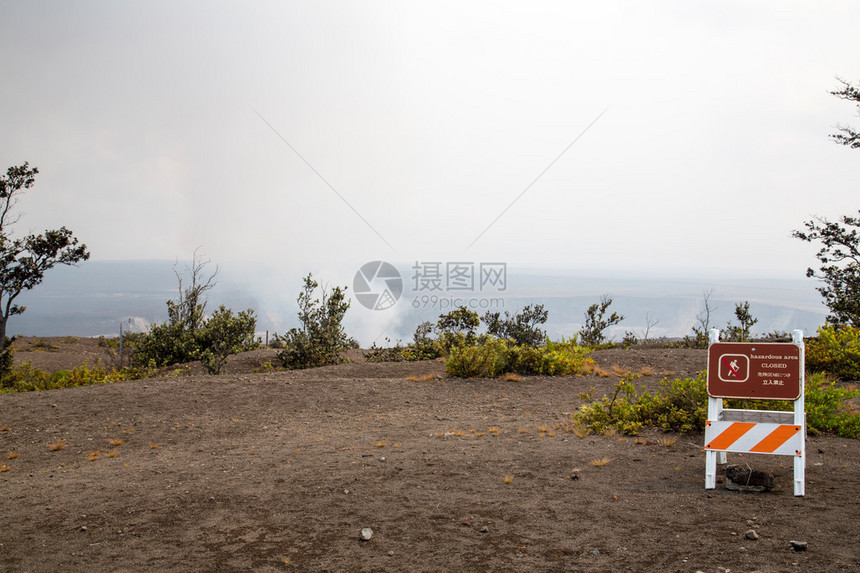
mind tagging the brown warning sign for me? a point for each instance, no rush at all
(754, 370)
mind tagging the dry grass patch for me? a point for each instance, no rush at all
(57, 446)
(511, 377)
(509, 479)
(667, 441)
(4, 468)
(600, 372)
(600, 462)
(115, 442)
(647, 371)
(427, 377)
(11, 455)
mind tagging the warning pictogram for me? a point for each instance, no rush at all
(734, 368)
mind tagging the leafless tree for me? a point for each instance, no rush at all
(704, 317)
(189, 309)
(649, 324)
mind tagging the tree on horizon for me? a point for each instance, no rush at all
(24, 261)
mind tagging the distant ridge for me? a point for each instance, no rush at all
(93, 300)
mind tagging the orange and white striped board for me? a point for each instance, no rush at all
(754, 438)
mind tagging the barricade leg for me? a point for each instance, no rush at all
(711, 469)
(800, 474)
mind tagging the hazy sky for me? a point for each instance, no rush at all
(162, 126)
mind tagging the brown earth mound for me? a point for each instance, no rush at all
(281, 471)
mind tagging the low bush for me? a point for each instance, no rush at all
(457, 329)
(223, 335)
(211, 342)
(385, 353)
(492, 357)
(523, 328)
(423, 346)
(321, 338)
(488, 359)
(592, 333)
(836, 350)
(681, 405)
(25, 378)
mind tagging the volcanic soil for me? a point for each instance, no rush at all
(282, 471)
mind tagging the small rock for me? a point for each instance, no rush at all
(485, 529)
(798, 545)
(595, 551)
(84, 528)
(366, 534)
(751, 534)
(346, 492)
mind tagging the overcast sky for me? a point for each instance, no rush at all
(313, 134)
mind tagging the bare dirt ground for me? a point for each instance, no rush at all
(281, 471)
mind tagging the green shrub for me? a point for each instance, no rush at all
(385, 353)
(321, 339)
(742, 331)
(522, 328)
(457, 328)
(493, 356)
(423, 346)
(488, 359)
(25, 378)
(836, 350)
(6, 360)
(596, 322)
(224, 335)
(681, 405)
(829, 408)
(165, 344)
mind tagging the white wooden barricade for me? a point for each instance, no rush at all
(757, 431)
